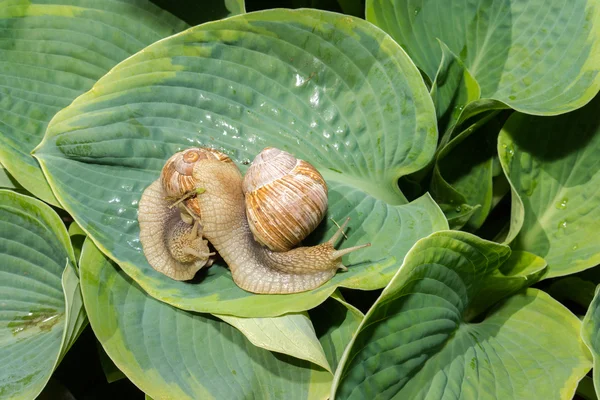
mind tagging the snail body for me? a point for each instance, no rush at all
(218, 195)
(172, 245)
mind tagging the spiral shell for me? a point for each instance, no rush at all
(176, 176)
(286, 198)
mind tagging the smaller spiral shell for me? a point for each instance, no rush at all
(286, 198)
(176, 176)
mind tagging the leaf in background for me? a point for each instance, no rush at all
(77, 236)
(291, 334)
(332, 89)
(40, 313)
(573, 288)
(111, 371)
(537, 56)
(554, 169)
(196, 13)
(453, 88)
(170, 353)
(590, 332)
(53, 51)
(335, 322)
(462, 182)
(6, 179)
(417, 341)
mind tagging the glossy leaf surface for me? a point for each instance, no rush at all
(420, 339)
(554, 169)
(53, 51)
(41, 313)
(537, 56)
(170, 353)
(332, 90)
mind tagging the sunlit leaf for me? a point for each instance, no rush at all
(420, 339)
(40, 313)
(554, 169)
(173, 354)
(331, 89)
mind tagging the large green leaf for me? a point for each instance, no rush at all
(332, 89)
(537, 56)
(175, 354)
(40, 313)
(53, 51)
(554, 170)
(420, 340)
(590, 332)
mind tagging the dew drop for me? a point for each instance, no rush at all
(562, 224)
(458, 209)
(512, 97)
(575, 247)
(417, 10)
(561, 205)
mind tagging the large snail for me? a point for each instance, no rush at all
(201, 194)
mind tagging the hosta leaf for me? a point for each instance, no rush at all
(40, 313)
(554, 170)
(6, 179)
(537, 56)
(291, 334)
(332, 89)
(452, 88)
(590, 332)
(174, 354)
(53, 51)
(419, 340)
(335, 322)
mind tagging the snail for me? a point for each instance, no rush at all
(171, 239)
(203, 188)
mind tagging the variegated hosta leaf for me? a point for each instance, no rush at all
(554, 169)
(41, 312)
(537, 56)
(174, 354)
(420, 339)
(53, 51)
(333, 90)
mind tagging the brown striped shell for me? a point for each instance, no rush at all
(286, 198)
(176, 176)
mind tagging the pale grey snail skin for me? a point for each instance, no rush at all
(173, 245)
(218, 196)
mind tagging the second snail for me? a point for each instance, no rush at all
(254, 223)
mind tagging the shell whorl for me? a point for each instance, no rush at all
(176, 175)
(286, 199)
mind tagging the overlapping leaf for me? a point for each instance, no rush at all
(335, 322)
(554, 169)
(591, 336)
(537, 56)
(291, 334)
(53, 51)
(420, 340)
(170, 353)
(333, 90)
(40, 313)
